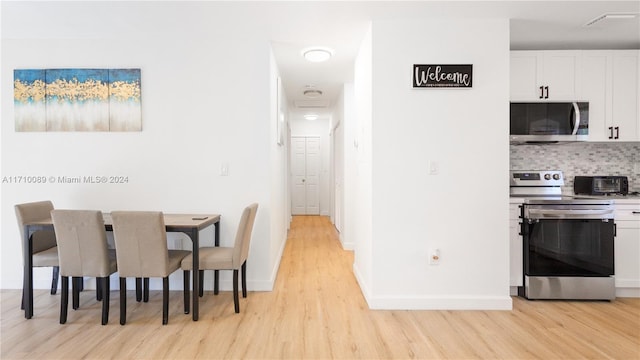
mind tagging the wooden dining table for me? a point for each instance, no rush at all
(189, 224)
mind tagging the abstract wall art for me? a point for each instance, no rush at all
(77, 100)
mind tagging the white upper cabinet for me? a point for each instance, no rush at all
(545, 75)
(625, 120)
(610, 83)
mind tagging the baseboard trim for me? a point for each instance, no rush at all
(432, 302)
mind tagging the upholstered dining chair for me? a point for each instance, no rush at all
(227, 258)
(45, 250)
(142, 252)
(82, 249)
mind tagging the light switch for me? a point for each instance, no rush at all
(224, 169)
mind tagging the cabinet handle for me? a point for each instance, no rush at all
(610, 132)
(541, 92)
(636, 212)
(547, 89)
(617, 132)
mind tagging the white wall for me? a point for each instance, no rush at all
(197, 109)
(460, 210)
(358, 209)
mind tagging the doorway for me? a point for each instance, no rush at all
(305, 169)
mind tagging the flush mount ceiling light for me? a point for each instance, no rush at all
(311, 117)
(312, 93)
(317, 54)
(611, 16)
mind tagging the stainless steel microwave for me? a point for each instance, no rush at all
(549, 122)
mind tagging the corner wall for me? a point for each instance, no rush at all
(460, 210)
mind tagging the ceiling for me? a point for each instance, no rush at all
(341, 26)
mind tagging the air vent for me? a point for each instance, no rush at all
(311, 104)
(606, 18)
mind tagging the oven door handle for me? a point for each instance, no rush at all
(569, 214)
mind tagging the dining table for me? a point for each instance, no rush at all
(188, 224)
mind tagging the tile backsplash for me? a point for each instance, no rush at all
(580, 159)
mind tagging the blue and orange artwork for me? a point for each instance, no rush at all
(77, 100)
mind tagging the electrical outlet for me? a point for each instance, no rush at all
(434, 167)
(434, 257)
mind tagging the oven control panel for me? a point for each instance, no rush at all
(536, 178)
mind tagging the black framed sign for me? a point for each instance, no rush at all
(442, 76)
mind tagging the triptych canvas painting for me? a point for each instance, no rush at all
(77, 100)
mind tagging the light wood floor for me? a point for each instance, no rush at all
(316, 311)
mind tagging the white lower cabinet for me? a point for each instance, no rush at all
(627, 250)
(515, 247)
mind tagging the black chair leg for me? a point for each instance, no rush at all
(145, 289)
(75, 291)
(186, 277)
(104, 282)
(165, 300)
(236, 301)
(54, 279)
(123, 301)
(201, 283)
(22, 299)
(244, 279)
(99, 289)
(138, 289)
(216, 278)
(64, 299)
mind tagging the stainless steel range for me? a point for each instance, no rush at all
(568, 248)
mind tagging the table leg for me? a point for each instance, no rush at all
(195, 238)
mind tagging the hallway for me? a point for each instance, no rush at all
(317, 311)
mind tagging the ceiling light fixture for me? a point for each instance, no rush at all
(612, 16)
(311, 117)
(312, 93)
(317, 54)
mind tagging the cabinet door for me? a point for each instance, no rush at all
(515, 247)
(596, 89)
(545, 75)
(561, 74)
(625, 95)
(526, 69)
(627, 248)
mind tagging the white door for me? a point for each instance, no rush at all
(305, 168)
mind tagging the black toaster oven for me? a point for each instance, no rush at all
(601, 185)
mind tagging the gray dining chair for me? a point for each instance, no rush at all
(227, 258)
(142, 253)
(83, 251)
(45, 250)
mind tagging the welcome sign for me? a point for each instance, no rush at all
(442, 76)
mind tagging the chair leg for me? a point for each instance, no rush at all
(22, 299)
(138, 289)
(236, 301)
(75, 292)
(186, 277)
(145, 289)
(244, 279)
(64, 299)
(123, 300)
(99, 289)
(54, 279)
(105, 284)
(216, 278)
(165, 300)
(201, 283)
